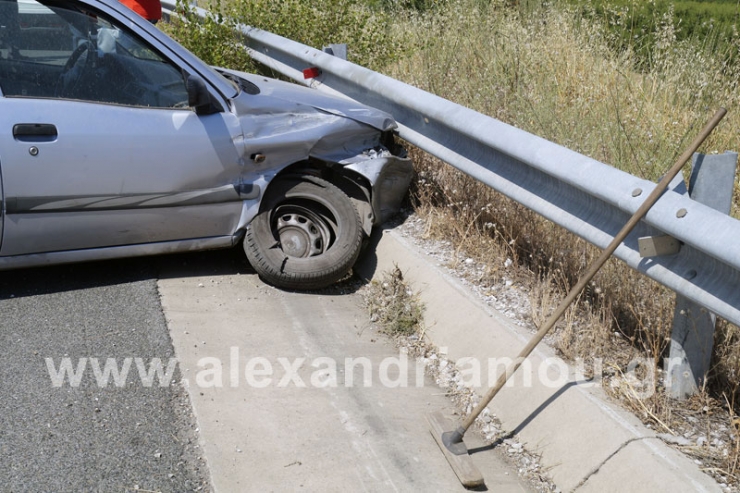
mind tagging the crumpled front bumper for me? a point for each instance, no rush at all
(390, 176)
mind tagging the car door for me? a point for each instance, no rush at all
(98, 145)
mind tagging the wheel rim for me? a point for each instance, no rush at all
(301, 231)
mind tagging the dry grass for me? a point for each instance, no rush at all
(393, 305)
(554, 76)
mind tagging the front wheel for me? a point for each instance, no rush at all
(307, 234)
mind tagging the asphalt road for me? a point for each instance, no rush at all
(90, 433)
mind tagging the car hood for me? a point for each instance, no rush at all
(285, 97)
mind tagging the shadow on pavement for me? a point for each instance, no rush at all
(70, 277)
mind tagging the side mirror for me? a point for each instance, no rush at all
(199, 98)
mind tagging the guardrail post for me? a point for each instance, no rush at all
(712, 183)
(338, 50)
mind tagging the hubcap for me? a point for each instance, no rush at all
(302, 232)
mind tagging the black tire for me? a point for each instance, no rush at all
(307, 234)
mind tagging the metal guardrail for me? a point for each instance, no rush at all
(589, 198)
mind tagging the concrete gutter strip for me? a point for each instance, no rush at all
(585, 442)
(256, 360)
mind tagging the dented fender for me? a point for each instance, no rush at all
(284, 124)
(390, 176)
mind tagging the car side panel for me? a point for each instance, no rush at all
(116, 175)
(52, 232)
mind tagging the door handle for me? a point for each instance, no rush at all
(35, 132)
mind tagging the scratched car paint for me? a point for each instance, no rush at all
(116, 141)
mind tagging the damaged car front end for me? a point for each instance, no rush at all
(291, 124)
(302, 139)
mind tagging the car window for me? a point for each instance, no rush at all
(60, 50)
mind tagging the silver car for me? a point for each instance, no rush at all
(116, 141)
